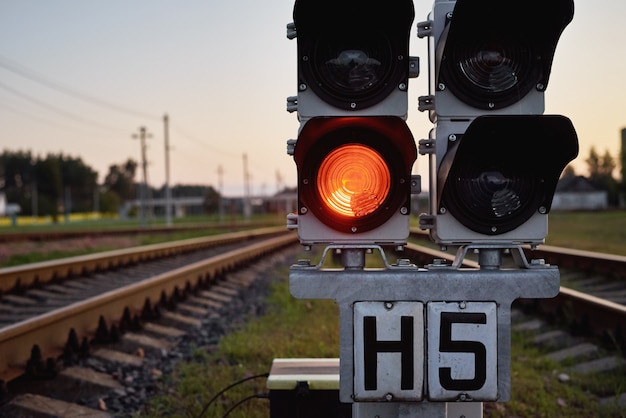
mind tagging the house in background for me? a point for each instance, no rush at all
(577, 193)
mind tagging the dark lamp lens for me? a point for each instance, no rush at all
(495, 193)
(353, 66)
(491, 69)
(493, 73)
(496, 52)
(504, 169)
(353, 70)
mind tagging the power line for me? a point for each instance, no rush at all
(201, 142)
(46, 121)
(25, 72)
(55, 109)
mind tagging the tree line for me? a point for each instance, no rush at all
(56, 184)
(601, 169)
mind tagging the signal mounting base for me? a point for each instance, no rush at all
(490, 256)
(432, 286)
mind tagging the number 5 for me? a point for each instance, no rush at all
(448, 345)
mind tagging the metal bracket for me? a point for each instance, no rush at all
(292, 221)
(426, 146)
(292, 33)
(401, 264)
(426, 103)
(292, 104)
(490, 255)
(427, 221)
(416, 184)
(414, 67)
(425, 28)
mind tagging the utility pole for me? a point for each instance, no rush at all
(220, 186)
(246, 185)
(34, 202)
(143, 189)
(168, 192)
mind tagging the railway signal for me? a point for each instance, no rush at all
(354, 151)
(430, 341)
(495, 158)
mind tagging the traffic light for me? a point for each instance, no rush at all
(354, 151)
(495, 158)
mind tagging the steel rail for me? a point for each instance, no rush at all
(42, 272)
(588, 314)
(50, 331)
(609, 264)
(41, 236)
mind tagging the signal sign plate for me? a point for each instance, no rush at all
(388, 351)
(462, 351)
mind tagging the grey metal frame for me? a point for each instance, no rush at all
(407, 282)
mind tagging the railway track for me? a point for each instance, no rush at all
(45, 300)
(30, 341)
(63, 234)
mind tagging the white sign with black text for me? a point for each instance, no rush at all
(462, 351)
(388, 351)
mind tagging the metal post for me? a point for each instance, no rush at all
(168, 193)
(490, 258)
(220, 186)
(143, 189)
(247, 210)
(353, 258)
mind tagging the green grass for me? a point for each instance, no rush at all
(113, 223)
(592, 231)
(13, 254)
(537, 392)
(33, 252)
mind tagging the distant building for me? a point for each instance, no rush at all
(577, 193)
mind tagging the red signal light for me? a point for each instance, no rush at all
(354, 174)
(353, 180)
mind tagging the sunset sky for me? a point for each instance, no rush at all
(81, 77)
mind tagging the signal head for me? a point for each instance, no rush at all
(497, 180)
(354, 180)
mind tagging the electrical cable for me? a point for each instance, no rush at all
(232, 385)
(55, 109)
(39, 119)
(246, 399)
(192, 138)
(32, 75)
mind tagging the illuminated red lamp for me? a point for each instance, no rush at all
(354, 177)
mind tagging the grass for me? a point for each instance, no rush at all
(31, 252)
(13, 254)
(309, 328)
(592, 231)
(536, 390)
